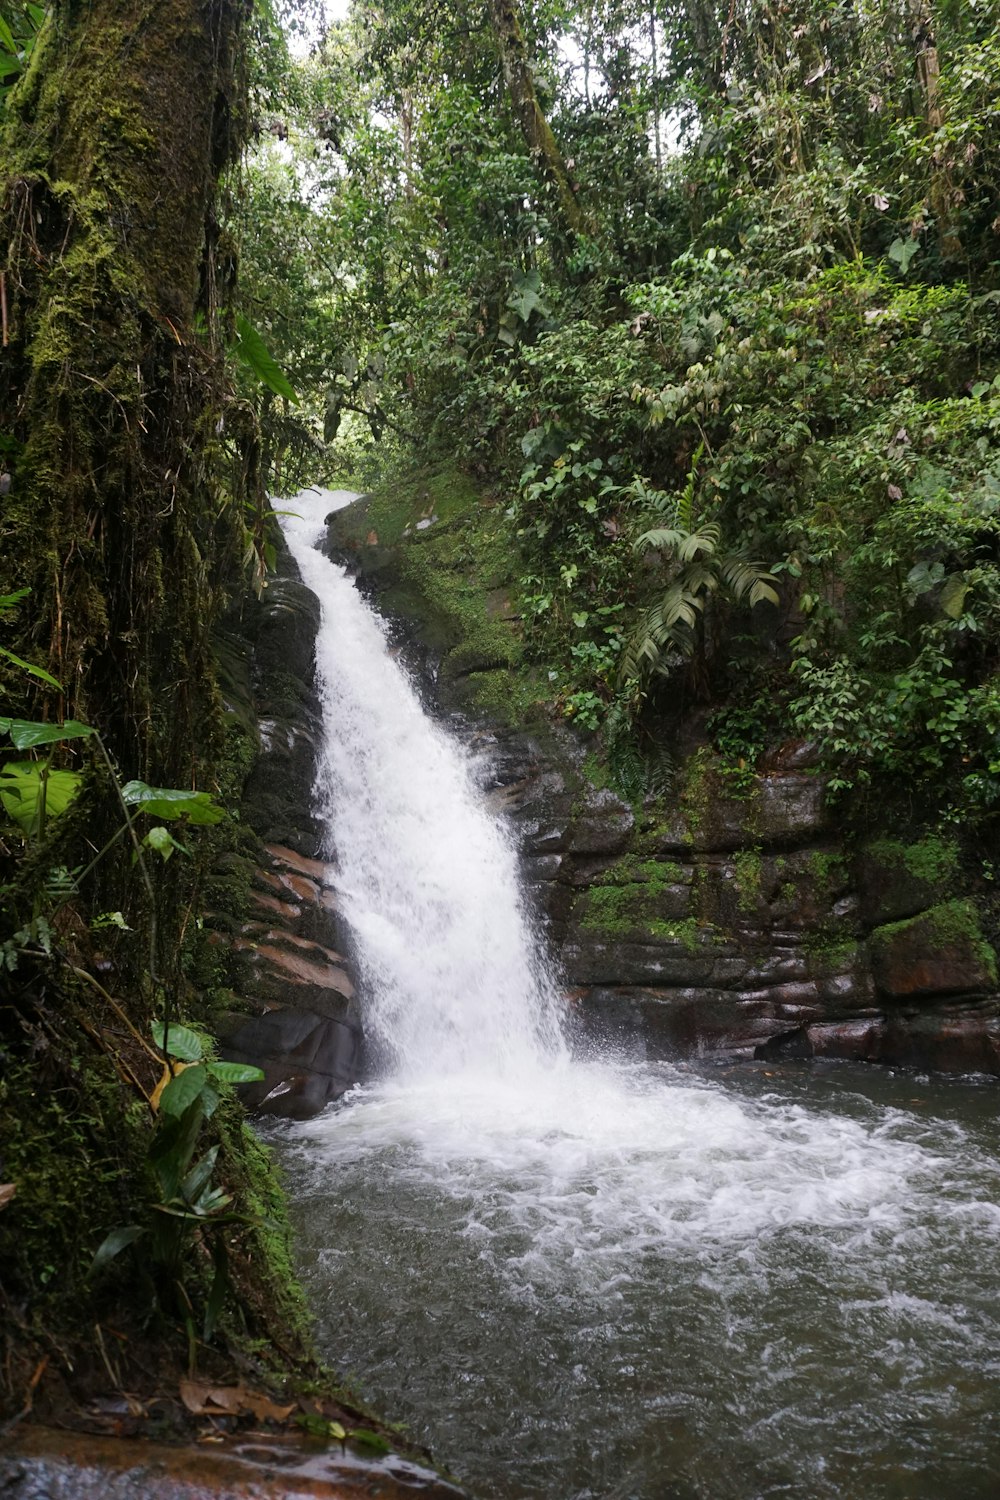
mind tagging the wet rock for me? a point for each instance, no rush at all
(39, 1464)
(939, 952)
(293, 1010)
(791, 808)
(307, 1060)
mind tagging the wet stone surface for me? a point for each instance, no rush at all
(39, 1464)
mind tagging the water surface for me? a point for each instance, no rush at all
(642, 1282)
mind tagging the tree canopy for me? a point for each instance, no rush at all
(710, 290)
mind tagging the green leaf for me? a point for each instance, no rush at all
(27, 666)
(183, 1090)
(255, 355)
(169, 802)
(230, 1072)
(199, 1175)
(953, 596)
(114, 1243)
(183, 1043)
(26, 734)
(902, 252)
(108, 919)
(219, 1290)
(164, 843)
(524, 299)
(21, 790)
(7, 601)
(7, 37)
(373, 1440)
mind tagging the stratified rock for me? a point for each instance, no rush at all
(292, 1011)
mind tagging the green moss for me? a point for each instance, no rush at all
(748, 872)
(697, 792)
(273, 1288)
(73, 1143)
(512, 698)
(596, 771)
(827, 869)
(633, 869)
(932, 860)
(690, 933)
(627, 900)
(952, 924)
(831, 955)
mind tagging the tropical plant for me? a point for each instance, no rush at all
(189, 1205)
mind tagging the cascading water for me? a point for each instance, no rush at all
(454, 980)
(579, 1278)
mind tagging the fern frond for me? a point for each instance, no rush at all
(697, 543)
(660, 539)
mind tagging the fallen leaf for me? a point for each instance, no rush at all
(231, 1400)
(7, 1191)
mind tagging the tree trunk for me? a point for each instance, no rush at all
(541, 143)
(928, 66)
(112, 383)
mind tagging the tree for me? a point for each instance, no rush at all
(541, 143)
(112, 384)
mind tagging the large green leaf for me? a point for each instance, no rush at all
(170, 802)
(902, 252)
(21, 784)
(182, 1042)
(525, 299)
(27, 666)
(230, 1072)
(183, 1090)
(256, 356)
(27, 734)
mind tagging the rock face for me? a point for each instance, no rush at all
(290, 1007)
(748, 926)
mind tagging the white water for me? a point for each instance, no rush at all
(527, 1178)
(453, 979)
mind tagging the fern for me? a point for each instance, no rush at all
(703, 570)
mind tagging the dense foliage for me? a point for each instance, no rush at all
(759, 368)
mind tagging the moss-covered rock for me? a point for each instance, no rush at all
(435, 551)
(897, 879)
(940, 952)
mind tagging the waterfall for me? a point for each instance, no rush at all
(454, 977)
(587, 1278)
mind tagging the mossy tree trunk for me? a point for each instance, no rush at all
(541, 143)
(111, 380)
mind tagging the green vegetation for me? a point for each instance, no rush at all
(748, 874)
(738, 392)
(633, 898)
(933, 860)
